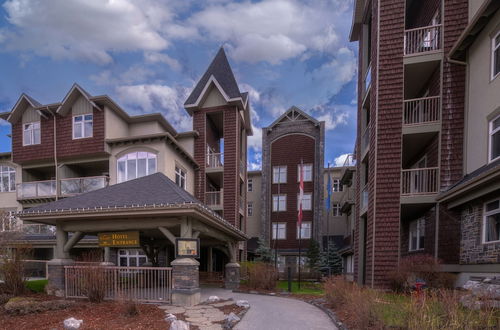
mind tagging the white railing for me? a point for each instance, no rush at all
(423, 39)
(364, 199)
(75, 186)
(365, 140)
(350, 160)
(36, 189)
(144, 284)
(213, 198)
(422, 110)
(419, 181)
(215, 160)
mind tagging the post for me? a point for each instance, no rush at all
(232, 269)
(55, 267)
(185, 282)
(289, 279)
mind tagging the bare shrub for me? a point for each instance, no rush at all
(93, 277)
(337, 290)
(261, 275)
(12, 265)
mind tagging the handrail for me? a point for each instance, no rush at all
(422, 39)
(419, 181)
(421, 110)
(423, 27)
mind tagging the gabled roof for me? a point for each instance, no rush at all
(70, 98)
(148, 190)
(294, 114)
(22, 103)
(220, 74)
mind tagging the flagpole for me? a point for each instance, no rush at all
(300, 217)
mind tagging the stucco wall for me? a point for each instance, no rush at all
(116, 127)
(254, 196)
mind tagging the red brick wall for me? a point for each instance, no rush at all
(67, 147)
(303, 147)
(39, 152)
(231, 165)
(200, 151)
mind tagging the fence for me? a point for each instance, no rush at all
(423, 39)
(420, 181)
(215, 160)
(144, 284)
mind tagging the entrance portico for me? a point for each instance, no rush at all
(160, 211)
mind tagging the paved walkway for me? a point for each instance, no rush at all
(268, 312)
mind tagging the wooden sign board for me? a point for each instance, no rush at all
(119, 239)
(187, 247)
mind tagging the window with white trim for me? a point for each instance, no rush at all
(250, 185)
(417, 235)
(336, 210)
(250, 209)
(31, 133)
(337, 185)
(279, 174)
(83, 126)
(491, 221)
(180, 177)
(279, 203)
(494, 138)
(495, 56)
(131, 258)
(7, 179)
(279, 230)
(305, 230)
(307, 172)
(306, 202)
(135, 165)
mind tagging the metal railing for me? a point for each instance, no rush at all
(422, 39)
(365, 140)
(37, 189)
(214, 198)
(144, 284)
(75, 186)
(419, 181)
(350, 160)
(364, 199)
(215, 160)
(422, 110)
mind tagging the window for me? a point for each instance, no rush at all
(337, 186)
(306, 202)
(250, 209)
(491, 225)
(495, 138)
(7, 179)
(31, 133)
(279, 174)
(307, 172)
(131, 258)
(82, 126)
(279, 203)
(135, 165)
(495, 56)
(9, 222)
(417, 234)
(336, 210)
(304, 230)
(250, 185)
(279, 230)
(180, 177)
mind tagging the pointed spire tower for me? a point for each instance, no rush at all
(221, 116)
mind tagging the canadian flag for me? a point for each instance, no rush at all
(301, 195)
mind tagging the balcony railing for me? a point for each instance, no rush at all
(420, 181)
(38, 189)
(423, 39)
(365, 140)
(350, 160)
(422, 110)
(215, 160)
(75, 186)
(214, 198)
(364, 199)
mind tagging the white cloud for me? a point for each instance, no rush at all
(256, 164)
(4, 122)
(255, 141)
(332, 120)
(154, 57)
(340, 160)
(133, 75)
(158, 98)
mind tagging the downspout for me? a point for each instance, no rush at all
(55, 157)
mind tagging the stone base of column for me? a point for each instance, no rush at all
(185, 282)
(56, 276)
(232, 278)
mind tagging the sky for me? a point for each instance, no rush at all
(148, 54)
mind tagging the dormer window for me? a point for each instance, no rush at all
(31, 133)
(82, 126)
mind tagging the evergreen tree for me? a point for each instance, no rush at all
(314, 256)
(263, 252)
(331, 259)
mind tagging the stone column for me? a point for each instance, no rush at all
(185, 282)
(55, 267)
(232, 278)
(107, 257)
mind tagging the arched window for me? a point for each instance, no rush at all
(7, 179)
(135, 165)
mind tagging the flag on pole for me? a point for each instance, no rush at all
(329, 191)
(301, 194)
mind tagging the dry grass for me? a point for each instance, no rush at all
(261, 275)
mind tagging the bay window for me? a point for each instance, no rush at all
(135, 165)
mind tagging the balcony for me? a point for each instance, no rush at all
(346, 199)
(419, 181)
(421, 115)
(215, 160)
(364, 200)
(214, 199)
(75, 186)
(37, 190)
(422, 40)
(365, 141)
(243, 210)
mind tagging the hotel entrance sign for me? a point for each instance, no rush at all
(119, 239)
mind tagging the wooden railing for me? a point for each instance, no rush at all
(419, 181)
(37, 189)
(215, 160)
(422, 110)
(75, 186)
(144, 284)
(214, 198)
(422, 39)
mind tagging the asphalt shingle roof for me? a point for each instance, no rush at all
(483, 169)
(152, 189)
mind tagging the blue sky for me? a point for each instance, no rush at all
(147, 55)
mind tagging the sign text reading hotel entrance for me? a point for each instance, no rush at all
(119, 239)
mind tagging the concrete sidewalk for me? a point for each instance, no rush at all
(268, 312)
